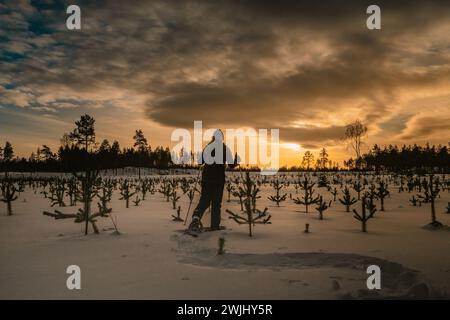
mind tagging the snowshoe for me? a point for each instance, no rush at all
(195, 227)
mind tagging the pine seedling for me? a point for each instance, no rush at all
(57, 191)
(191, 194)
(249, 216)
(71, 192)
(126, 192)
(306, 228)
(178, 216)
(164, 188)
(334, 192)
(146, 185)
(277, 198)
(381, 193)
(308, 197)
(89, 184)
(254, 197)
(296, 187)
(414, 201)
(104, 193)
(230, 189)
(240, 194)
(347, 200)
(322, 206)
(221, 246)
(358, 187)
(364, 216)
(184, 185)
(430, 193)
(10, 192)
(44, 193)
(174, 198)
(136, 201)
(370, 205)
(323, 181)
(173, 185)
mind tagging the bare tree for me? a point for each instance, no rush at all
(308, 160)
(354, 133)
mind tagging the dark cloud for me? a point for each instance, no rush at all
(423, 127)
(305, 67)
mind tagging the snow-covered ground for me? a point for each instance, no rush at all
(151, 259)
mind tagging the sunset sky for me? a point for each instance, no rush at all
(305, 67)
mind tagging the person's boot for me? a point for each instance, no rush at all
(195, 225)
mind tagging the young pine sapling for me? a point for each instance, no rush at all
(382, 192)
(365, 215)
(10, 191)
(347, 200)
(308, 197)
(178, 216)
(249, 215)
(322, 206)
(277, 198)
(126, 192)
(430, 193)
(89, 184)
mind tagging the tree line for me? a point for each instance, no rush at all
(406, 158)
(79, 150)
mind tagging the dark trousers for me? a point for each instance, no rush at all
(212, 193)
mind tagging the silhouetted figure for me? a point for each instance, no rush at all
(213, 181)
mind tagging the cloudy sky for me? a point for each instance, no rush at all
(305, 67)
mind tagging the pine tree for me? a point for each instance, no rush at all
(322, 206)
(89, 183)
(249, 216)
(230, 189)
(358, 187)
(57, 191)
(277, 198)
(347, 199)
(126, 192)
(10, 192)
(334, 193)
(8, 152)
(84, 133)
(323, 181)
(105, 193)
(322, 160)
(221, 246)
(364, 216)
(141, 143)
(382, 192)
(174, 198)
(71, 191)
(178, 216)
(430, 192)
(240, 194)
(136, 201)
(308, 197)
(308, 160)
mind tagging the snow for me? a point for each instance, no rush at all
(151, 259)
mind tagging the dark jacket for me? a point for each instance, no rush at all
(215, 172)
